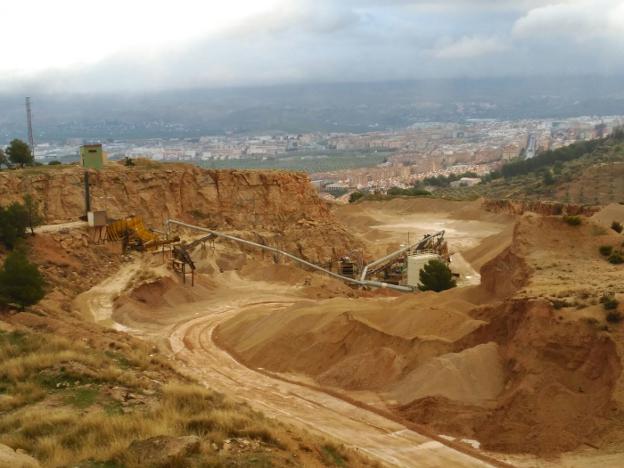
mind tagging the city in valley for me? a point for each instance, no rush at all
(340, 162)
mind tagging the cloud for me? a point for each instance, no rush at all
(580, 20)
(470, 47)
(155, 44)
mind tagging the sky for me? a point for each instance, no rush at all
(144, 45)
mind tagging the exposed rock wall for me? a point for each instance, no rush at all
(515, 207)
(281, 207)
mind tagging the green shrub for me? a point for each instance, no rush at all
(614, 316)
(14, 220)
(573, 220)
(436, 276)
(617, 226)
(616, 258)
(55, 163)
(605, 250)
(410, 192)
(609, 302)
(21, 283)
(355, 196)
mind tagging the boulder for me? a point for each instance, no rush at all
(163, 450)
(16, 459)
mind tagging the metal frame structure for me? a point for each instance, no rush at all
(359, 282)
(419, 246)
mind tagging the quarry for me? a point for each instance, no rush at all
(250, 285)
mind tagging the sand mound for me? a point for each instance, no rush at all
(610, 213)
(353, 344)
(489, 248)
(426, 316)
(368, 370)
(288, 274)
(473, 376)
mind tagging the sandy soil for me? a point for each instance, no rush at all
(187, 327)
(515, 376)
(385, 225)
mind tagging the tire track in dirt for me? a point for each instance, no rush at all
(379, 437)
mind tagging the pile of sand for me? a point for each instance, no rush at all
(489, 248)
(473, 376)
(352, 343)
(610, 213)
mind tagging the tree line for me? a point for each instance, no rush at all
(560, 155)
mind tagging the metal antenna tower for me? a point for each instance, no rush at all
(31, 139)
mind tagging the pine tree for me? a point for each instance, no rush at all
(436, 276)
(19, 153)
(21, 282)
(13, 223)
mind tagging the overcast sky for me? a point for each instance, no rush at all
(137, 45)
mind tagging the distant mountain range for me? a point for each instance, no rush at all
(339, 107)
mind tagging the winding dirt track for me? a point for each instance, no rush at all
(381, 439)
(189, 334)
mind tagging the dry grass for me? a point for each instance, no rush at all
(56, 404)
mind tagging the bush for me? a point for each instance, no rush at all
(617, 227)
(355, 196)
(14, 220)
(573, 220)
(616, 258)
(128, 162)
(605, 250)
(21, 282)
(436, 276)
(410, 192)
(609, 302)
(55, 163)
(614, 316)
(548, 178)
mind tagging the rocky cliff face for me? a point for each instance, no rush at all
(278, 207)
(514, 207)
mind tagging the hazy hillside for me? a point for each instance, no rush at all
(344, 107)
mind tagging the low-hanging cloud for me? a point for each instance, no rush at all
(470, 47)
(286, 41)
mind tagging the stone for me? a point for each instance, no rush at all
(163, 450)
(16, 459)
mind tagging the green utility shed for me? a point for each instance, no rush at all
(91, 156)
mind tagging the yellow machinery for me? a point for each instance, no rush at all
(134, 235)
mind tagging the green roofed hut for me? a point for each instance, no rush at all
(91, 156)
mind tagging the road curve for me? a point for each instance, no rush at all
(380, 438)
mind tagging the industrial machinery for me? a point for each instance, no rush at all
(347, 267)
(403, 266)
(181, 257)
(134, 235)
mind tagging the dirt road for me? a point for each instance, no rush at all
(189, 333)
(378, 437)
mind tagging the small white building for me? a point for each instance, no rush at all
(415, 263)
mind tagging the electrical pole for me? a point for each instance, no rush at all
(31, 139)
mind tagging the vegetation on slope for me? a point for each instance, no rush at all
(66, 403)
(21, 283)
(588, 172)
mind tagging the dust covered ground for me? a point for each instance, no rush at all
(520, 366)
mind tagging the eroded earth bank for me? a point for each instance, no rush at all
(517, 365)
